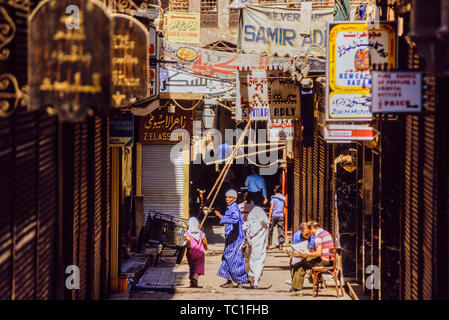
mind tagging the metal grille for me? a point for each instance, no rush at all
(209, 6)
(322, 171)
(314, 177)
(179, 5)
(105, 208)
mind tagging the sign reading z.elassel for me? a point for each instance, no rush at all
(69, 65)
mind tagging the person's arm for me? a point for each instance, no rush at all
(218, 214)
(205, 243)
(314, 254)
(231, 218)
(264, 191)
(188, 242)
(271, 211)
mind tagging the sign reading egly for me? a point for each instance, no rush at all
(396, 92)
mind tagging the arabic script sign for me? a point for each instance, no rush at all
(129, 60)
(69, 69)
(183, 27)
(280, 130)
(157, 127)
(354, 52)
(283, 95)
(277, 31)
(214, 64)
(175, 81)
(154, 51)
(258, 95)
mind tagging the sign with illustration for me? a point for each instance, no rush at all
(278, 31)
(397, 91)
(258, 95)
(157, 127)
(68, 67)
(178, 82)
(129, 60)
(215, 64)
(183, 27)
(354, 50)
(279, 130)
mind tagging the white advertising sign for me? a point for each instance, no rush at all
(348, 133)
(396, 92)
(258, 95)
(280, 130)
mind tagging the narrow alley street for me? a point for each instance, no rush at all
(169, 281)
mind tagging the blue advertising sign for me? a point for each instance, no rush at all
(121, 130)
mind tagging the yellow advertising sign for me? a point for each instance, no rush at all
(183, 27)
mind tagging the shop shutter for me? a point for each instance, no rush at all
(309, 189)
(303, 156)
(47, 207)
(95, 203)
(25, 203)
(314, 176)
(296, 193)
(6, 206)
(163, 180)
(322, 180)
(105, 208)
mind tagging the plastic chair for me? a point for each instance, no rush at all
(334, 270)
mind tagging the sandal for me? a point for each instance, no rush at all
(227, 285)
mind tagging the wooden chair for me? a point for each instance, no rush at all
(334, 270)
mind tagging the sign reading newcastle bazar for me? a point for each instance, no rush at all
(69, 69)
(354, 51)
(397, 91)
(276, 31)
(157, 127)
(283, 95)
(129, 60)
(183, 27)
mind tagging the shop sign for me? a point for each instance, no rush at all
(183, 27)
(283, 95)
(279, 130)
(348, 133)
(129, 60)
(121, 130)
(157, 127)
(397, 92)
(241, 95)
(354, 51)
(258, 95)
(68, 67)
(278, 31)
(215, 64)
(154, 51)
(178, 82)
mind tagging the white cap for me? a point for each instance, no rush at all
(231, 193)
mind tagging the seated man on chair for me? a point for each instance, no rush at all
(321, 257)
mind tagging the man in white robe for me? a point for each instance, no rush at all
(256, 229)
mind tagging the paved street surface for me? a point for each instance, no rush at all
(170, 281)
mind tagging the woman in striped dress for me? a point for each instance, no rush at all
(232, 267)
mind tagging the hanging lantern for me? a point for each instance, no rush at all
(208, 117)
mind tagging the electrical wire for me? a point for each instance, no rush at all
(186, 109)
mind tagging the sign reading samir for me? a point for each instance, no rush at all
(69, 62)
(277, 31)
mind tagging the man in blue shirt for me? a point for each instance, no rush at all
(277, 212)
(257, 189)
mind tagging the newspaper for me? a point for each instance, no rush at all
(303, 247)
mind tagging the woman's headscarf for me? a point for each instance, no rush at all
(257, 219)
(194, 228)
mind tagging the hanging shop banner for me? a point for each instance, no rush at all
(241, 95)
(215, 64)
(154, 51)
(277, 31)
(178, 82)
(68, 67)
(397, 92)
(354, 51)
(129, 60)
(157, 127)
(348, 133)
(258, 95)
(183, 27)
(121, 130)
(283, 96)
(279, 130)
